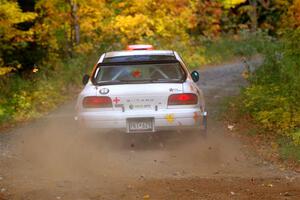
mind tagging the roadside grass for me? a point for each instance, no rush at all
(229, 48)
(228, 105)
(269, 105)
(30, 96)
(274, 148)
(288, 150)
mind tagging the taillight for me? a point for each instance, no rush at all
(97, 102)
(182, 99)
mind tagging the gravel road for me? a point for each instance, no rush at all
(48, 159)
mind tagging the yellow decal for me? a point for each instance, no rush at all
(170, 118)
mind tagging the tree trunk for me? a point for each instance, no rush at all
(253, 15)
(265, 3)
(75, 22)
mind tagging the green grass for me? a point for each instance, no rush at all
(288, 150)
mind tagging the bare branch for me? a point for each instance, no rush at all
(265, 3)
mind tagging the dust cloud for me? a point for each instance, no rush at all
(54, 150)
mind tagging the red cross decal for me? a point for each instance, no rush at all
(116, 100)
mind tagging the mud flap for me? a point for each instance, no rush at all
(204, 125)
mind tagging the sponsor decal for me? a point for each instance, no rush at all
(174, 90)
(139, 100)
(139, 106)
(104, 91)
(116, 100)
(170, 118)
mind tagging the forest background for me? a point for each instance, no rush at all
(47, 45)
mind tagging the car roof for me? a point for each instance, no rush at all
(139, 52)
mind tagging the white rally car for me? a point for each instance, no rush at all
(141, 91)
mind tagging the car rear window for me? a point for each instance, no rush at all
(139, 73)
(138, 58)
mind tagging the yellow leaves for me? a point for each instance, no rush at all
(11, 15)
(232, 3)
(274, 111)
(296, 137)
(6, 70)
(129, 21)
(140, 20)
(138, 6)
(277, 120)
(1, 111)
(84, 47)
(133, 28)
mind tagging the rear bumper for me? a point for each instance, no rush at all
(168, 119)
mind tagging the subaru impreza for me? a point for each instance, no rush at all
(139, 91)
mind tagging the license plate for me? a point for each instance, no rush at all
(140, 124)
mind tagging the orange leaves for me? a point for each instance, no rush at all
(292, 17)
(206, 18)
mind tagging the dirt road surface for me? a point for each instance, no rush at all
(48, 159)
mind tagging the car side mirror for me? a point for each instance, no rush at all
(85, 79)
(195, 76)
